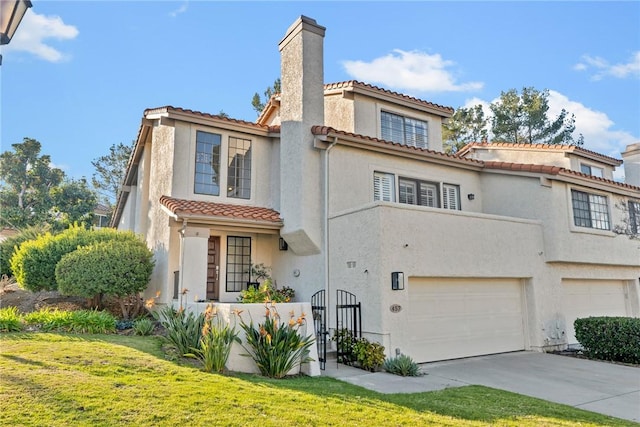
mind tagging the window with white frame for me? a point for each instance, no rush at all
(415, 192)
(238, 263)
(634, 216)
(451, 196)
(591, 170)
(239, 171)
(404, 130)
(590, 210)
(207, 173)
(383, 187)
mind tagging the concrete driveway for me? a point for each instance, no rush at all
(606, 388)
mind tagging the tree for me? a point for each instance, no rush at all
(109, 174)
(465, 126)
(120, 268)
(26, 183)
(73, 202)
(523, 118)
(259, 103)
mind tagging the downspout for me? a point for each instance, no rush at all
(326, 224)
(180, 275)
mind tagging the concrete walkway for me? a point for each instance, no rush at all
(601, 387)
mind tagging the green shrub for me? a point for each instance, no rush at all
(10, 245)
(81, 321)
(183, 330)
(610, 338)
(402, 365)
(216, 341)
(10, 320)
(276, 347)
(143, 326)
(266, 292)
(345, 341)
(369, 355)
(118, 268)
(34, 263)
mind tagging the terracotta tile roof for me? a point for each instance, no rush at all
(571, 148)
(355, 84)
(169, 109)
(327, 130)
(212, 209)
(553, 170)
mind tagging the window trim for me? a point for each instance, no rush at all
(591, 168)
(418, 195)
(404, 129)
(590, 228)
(391, 184)
(634, 216)
(196, 163)
(455, 187)
(245, 276)
(229, 167)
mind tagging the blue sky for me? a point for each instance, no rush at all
(78, 74)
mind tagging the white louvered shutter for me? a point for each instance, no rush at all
(450, 197)
(383, 187)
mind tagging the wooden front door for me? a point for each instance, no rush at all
(213, 268)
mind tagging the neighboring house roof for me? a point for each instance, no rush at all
(183, 208)
(566, 148)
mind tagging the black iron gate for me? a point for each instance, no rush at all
(348, 325)
(319, 309)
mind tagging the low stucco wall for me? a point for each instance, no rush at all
(238, 361)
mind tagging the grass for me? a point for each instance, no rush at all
(112, 380)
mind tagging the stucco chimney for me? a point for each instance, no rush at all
(301, 107)
(631, 159)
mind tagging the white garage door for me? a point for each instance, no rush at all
(452, 318)
(585, 298)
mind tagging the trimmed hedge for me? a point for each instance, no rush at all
(10, 245)
(610, 338)
(34, 264)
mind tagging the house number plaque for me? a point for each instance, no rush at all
(395, 308)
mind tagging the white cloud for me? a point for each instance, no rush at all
(413, 71)
(183, 8)
(602, 68)
(35, 29)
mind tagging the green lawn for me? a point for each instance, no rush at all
(104, 380)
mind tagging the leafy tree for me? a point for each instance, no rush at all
(259, 103)
(523, 118)
(26, 183)
(118, 268)
(73, 202)
(465, 126)
(109, 174)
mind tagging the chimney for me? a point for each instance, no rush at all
(301, 107)
(631, 159)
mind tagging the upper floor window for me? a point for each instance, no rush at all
(383, 187)
(239, 172)
(591, 170)
(404, 130)
(207, 176)
(590, 210)
(634, 217)
(414, 192)
(100, 220)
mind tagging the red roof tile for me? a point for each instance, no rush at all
(355, 83)
(538, 146)
(212, 209)
(326, 130)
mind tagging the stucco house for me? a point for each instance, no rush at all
(339, 186)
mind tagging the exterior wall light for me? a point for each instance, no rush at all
(397, 281)
(471, 196)
(11, 13)
(282, 245)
